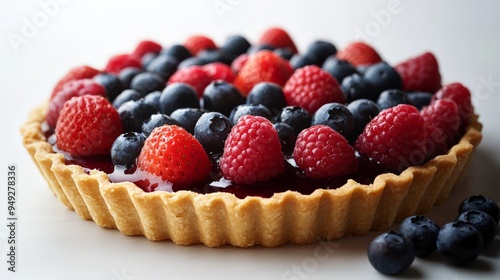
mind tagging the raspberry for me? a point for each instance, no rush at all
(70, 90)
(359, 53)
(395, 138)
(118, 62)
(172, 153)
(277, 38)
(420, 73)
(462, 97)
(88, 125)
(219, 71)
(323, 152)
(145, 47)
(435, 141)
(198, 43)
(263, 66)
(443, 114)
(238, 62)
(195, 76)
(252, 151)
(77, 73)
(310, 87)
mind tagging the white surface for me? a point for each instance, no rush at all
(54, 243)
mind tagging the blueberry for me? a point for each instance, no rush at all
(391, 97)
(156, 120)
(111, 83)
(296, 117)
(319, 51)
(459, 243)
(336, 116)
(246, 109)
(178, 95)
(153, 98)
(127, 74)
(481, 203)
(259, 47)
(300, 60)
(364, 111)
(285, 53)
(126, 148)
(482, 222)
(134, 113)
(339, 69)
(419, 99)
(126, 95)
(195, 60)
(147, 82)
(178, 51)
(147, 58)
(391, 253)
(287, 137)
(163, 65)
(236, 45)
(423, 233)
(211, 130)
(268, 94)
(210, 56)
(382, 76)
(222, 97)
(362, 68)
(187, 117)
(356, 87)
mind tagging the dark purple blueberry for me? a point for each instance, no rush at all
(221, 96)
(364, 111)
(285, 53)
(362, 68)
(482, 222)
(390, 98)
(481, 203)
(419, 99)
(126, 95)
(111, 83)
(356, 87)
(246, 109)
(153, 98)
(156, 120)
(236, 45)
(176, 96)
(300, 60)
(459, 243)
(320, 50)
(382, 76)
(391, 253)
(268, 94)
(194, 60)
(259, 47)
(423, 233)
(336, 116)
(296, 117)
(147, 58)
(339, 69)
(163, 65)
(127, 74)
(187, 117)
(287, 137)
(211, 130)
(134, 113)
(218, 55)
(147, 82)
(126, 148)
(178, 51)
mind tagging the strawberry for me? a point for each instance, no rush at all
(238, 62)
(359, 53)
(88, 125)
(195, 76)
(197, 43)
(420, 73)
(77, 73)
(461, 96)
(278, 38)
(443, 114)
(252, 151)
(219, 71)
(146, 46)
(174, 155)
(311, 87)
(118, 62)
(263, 66)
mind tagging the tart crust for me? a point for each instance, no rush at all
(216, 219)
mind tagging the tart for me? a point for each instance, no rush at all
(289, 208)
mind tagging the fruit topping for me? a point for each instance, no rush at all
(211, 130)
(221, 96)
(278, 38)
(176, 96)
(197, 43)
(126, 148)
(120, 61)
(461, 96)
(359, 53)
(195, 76)
(420, 73)
(336, 116)
(76, 73)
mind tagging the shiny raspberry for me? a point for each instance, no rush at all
(252, 151)
(197, 43)
(395, 138)
(443, 114)
(322, 152)
(195, 76)
(76, 73)
(359, 53)
(420, 73)
(121, 61)
(461, 96)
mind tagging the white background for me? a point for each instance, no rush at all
(54, 243)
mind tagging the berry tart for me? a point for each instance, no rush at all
(248, 144)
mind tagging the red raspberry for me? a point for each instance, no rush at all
(88, 125)
(146, 46)
(395, 138)
(194, 76)
(238, 63)
(219, 71)
(118, 62)
(420, 73)
(322, 152)
(462, 97)
(198, 43)
(277, 38)
(435, 141)
(310, 87)
(77, 73)
(359, 53)
(252, 151)
(174, 155)
(443, 114)
(263, 66)
(70, 90)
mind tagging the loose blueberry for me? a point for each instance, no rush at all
(364, 111)
(268, 94)
(320, 50)
(287, 137)
(211, 130)
(259, 47)
(423, 233)
(176, 96)
(178, 51)
(163, 65)
(187, 117)
(391, 253)
(356, 87)
(390, 98)
(153, 98)
(339, 69)
(419, 99)
(459, 243)
(127, 74)
(236, 45)
(245, 109)
(222, 97)
(126, 95)
(134, 113)
(296, 117)
(300, 60)
(147, 82)
(155, 121)
(336, 116)
(111, 83)
(285, 53)
(481, 203)
(382, 76)
(126, 148)
(482, 222)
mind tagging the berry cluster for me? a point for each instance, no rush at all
(243, 109)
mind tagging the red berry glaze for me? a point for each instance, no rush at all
(420, 73)
(252, 151)
(195, 76)
(219, 71)
(146, 46)
(118, 62)
(197, 43)
(88, 125)
(278, 38)
(359, 53)
(443, 114)
(77, 73)
(461, 96)
(321, 152)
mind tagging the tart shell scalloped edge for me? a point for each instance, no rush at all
(217, 219)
